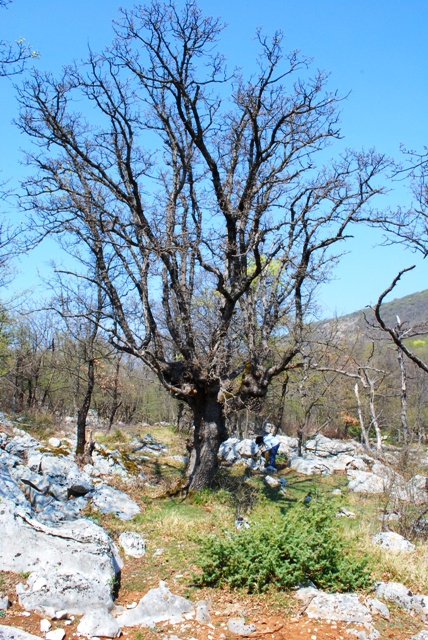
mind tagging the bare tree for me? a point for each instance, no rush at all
(196, 195)
(396, 332)
(14, 55)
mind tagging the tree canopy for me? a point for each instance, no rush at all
(201, 201)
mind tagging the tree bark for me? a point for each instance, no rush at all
(83, 411)
(364, 435)
(210, 432)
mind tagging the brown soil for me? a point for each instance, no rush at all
(294, 625)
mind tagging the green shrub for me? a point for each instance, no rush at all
(305, 544)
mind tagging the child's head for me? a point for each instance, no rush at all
(259, 440)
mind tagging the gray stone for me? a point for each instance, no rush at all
(238, 626)
(366, 482)
(62, 511)
(75, 592)
(323, 446)
(422, 635)
(21, 444)
(12, 633)
(314, 466)
(133, 544)
(110, 500)
(45, 625)
(108, 462)
(78, 482)
(55, 443)
(338, 606)
(202, 612)
(4, 603)
(396, 592)
(305, 594)
(55, 634)
(99, 623)
(378, 607)
(345, 513)
(393, 542)
(78, 553)
(271, 482)
(403, 596)
(9, 490)
(158, 605)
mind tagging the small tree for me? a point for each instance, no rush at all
(195, 194)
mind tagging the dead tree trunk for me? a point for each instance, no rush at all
(364, 435)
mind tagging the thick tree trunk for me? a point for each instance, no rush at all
(210, 432)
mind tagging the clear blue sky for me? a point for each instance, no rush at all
(375, 50)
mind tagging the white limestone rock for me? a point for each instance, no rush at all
(108, 462)
(271, 482)
(403, 597)
(239, 627)
(314, 466)
(133, 544)
(366, 482)
(202, 612)
(99, 622)
(393, 542)
(75, 553)
(323, 446)
(345, 607)
(55, 443)
(13, 633)
(378, 608)
(110, 500)
(55, 634)
(158, 605)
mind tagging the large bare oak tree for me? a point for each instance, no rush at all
(195, 196)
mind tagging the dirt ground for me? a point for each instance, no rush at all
(294, 625)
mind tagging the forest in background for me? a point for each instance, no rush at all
(354, 383)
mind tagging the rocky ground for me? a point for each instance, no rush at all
(47, 499)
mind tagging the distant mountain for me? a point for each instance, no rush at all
(412, 311)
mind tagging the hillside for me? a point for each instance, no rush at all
(412, 310)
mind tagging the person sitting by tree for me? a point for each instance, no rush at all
(269, 443)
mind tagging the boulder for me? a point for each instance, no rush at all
(378, 608)
(158, 605)
(323, 446)
(73, 565)
(345, 607)
(202, 612)
(99, 623)
(366, 482)
(288, 445)
(393, 542)
(415, 490)
(110, 500)
(21, 444)
(12, 633)
(314, 466)
(9, 490)
(403, 597)
(107, 462)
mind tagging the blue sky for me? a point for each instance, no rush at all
(375, 50)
